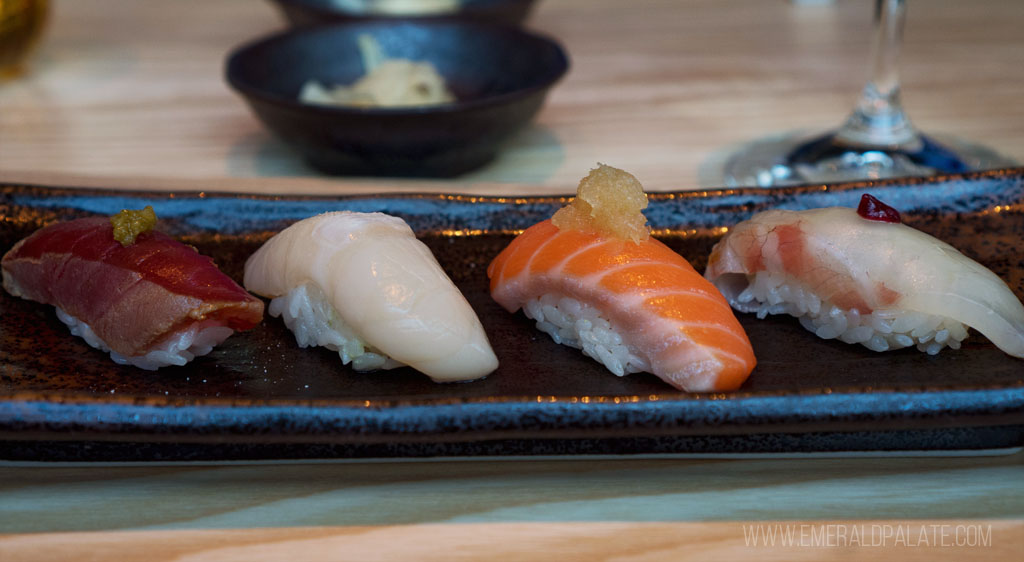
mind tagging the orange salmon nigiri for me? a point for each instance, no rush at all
(593, 278)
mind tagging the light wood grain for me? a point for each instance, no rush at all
(639, 509)
(55, 498)
(928, 540)
(128, 93)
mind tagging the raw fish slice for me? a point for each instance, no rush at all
(669, 317)
(134, 298)
(885, 285)
(366, 279)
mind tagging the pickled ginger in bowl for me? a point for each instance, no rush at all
(480, 83)
(387, 82)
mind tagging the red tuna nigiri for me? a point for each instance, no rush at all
(152, 303)
(626, 299)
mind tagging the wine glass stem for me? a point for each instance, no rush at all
(879, 119)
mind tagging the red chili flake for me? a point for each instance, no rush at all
(874, 210)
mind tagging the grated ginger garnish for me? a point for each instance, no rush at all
(609, 201)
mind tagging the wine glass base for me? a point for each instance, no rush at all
(798, 158)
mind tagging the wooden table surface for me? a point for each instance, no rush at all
(130, 94)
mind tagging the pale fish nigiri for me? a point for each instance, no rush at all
(363, 285)
(146, 298)
(864, 277)
(594, 279)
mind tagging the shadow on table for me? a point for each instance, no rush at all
(531, 156)
(197, 496)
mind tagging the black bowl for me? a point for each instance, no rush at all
(500, 76)
(306, 12)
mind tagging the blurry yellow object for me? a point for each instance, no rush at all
(21, 26)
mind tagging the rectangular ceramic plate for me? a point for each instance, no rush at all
(259, 396)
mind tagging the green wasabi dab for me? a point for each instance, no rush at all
(130, 223)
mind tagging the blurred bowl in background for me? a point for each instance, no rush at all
(306, 12)
(500, 76)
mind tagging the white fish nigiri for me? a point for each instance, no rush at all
(363, 285)
(881, 284)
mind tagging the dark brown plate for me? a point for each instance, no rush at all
(259, 396)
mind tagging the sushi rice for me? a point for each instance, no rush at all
(880, 330)
(576, 324)
(308, 313)
(178, 349)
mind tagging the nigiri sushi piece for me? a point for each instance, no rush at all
(361, 284)
(864, 277)
(593, 278)
(147, 299)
